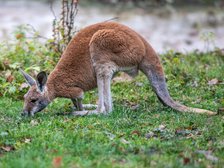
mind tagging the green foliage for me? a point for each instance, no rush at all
(140, 132)
(25, 53)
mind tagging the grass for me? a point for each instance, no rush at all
(139, 133)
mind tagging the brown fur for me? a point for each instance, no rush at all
(99, 50)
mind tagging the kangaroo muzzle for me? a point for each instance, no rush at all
(27, 113)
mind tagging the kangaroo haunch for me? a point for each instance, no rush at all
(90, 60)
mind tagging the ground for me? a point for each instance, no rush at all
(140, 132)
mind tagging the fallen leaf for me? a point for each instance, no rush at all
(124, 141)
(149, 135)
(27, 140)
(110, 135)
(192, 127)
(8, 148)
(54, 151)
(19, 36)
(10, 78)
(186, 160)
(6, 63)
(160, 128)
(156, 116)
(135, 107)
(194, 84)
(121, 135)
(23, 86)
(208, 155)
(57, 162)
(212, 82)
(34, 122)
(136, 132)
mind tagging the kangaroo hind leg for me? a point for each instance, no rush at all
(104, 73)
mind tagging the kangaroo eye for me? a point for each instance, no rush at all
(33, 100)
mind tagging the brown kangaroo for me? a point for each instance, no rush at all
(90, 60)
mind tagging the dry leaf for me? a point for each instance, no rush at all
(212, 82)
(124, 141)
(6, 63)
(34, 122)
(23, 86)
(186, 160)
(54, 151)
(27, 140)
(162, 127)
(156, 115)
(135, 107)
(208, 155)
(149, 135)
(10, 78)
(136, 132)
(19, 36)
(110, 135)
(57, 162)
(8, 148)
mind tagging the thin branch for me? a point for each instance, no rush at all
(114, 18)
(35, 33)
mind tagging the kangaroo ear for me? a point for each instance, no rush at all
(41, 80)
(28, 78)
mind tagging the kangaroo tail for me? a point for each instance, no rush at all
(160, 88)
(152, 68)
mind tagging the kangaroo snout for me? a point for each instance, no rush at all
(24, 113)
(27, 113)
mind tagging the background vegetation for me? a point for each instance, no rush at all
(161, 2)
(139, 133)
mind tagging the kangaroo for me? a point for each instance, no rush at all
(90, 60)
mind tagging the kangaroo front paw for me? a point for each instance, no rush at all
(80, 113)
(85, 113)
(89, 106)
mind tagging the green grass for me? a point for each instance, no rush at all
(120, 139)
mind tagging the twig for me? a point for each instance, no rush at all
(63, 30)
(114, 18)
(35, 33)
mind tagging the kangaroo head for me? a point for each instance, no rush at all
(36, 99)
